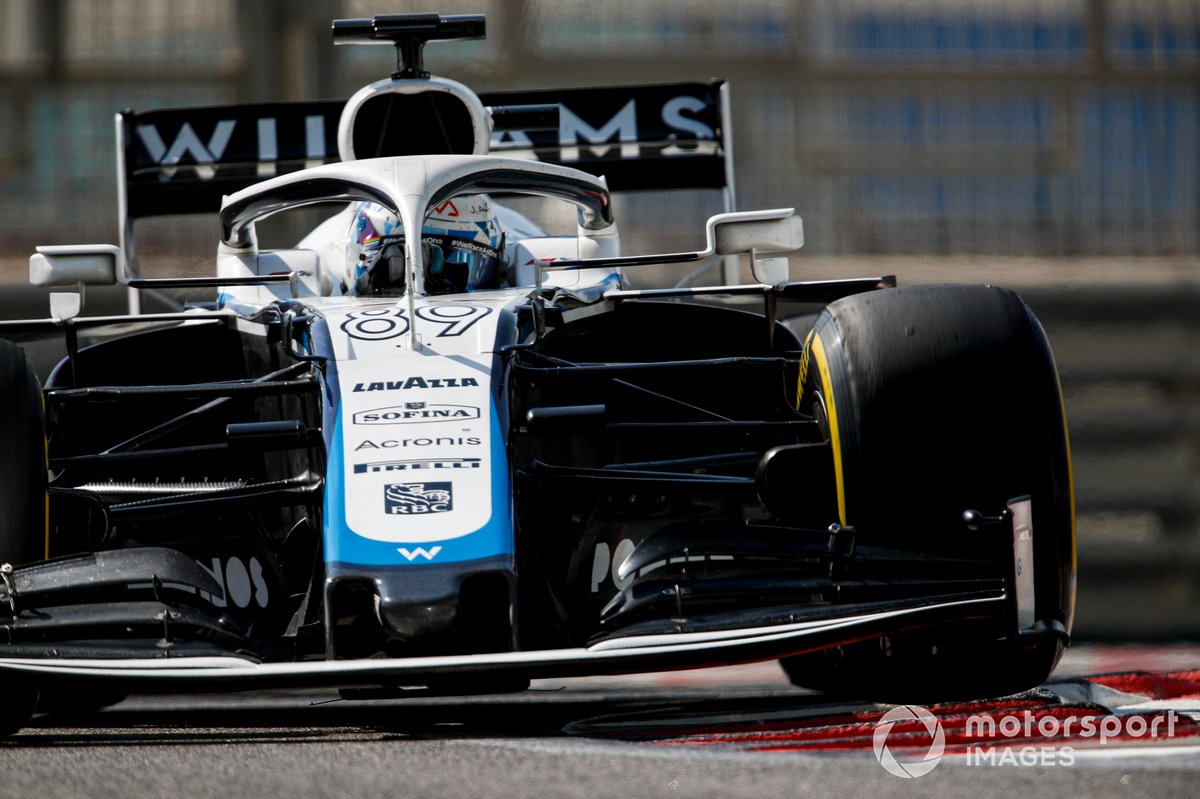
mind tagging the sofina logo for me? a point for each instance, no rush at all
(411, 412)
(909, 741)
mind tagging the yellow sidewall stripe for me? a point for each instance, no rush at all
(835, 440)
(1071, 493)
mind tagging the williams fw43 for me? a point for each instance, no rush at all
(437, 446)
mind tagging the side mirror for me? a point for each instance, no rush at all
(761, 232)
(75, 264)
(771, 233)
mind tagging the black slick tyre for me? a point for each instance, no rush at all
(23, 502)
(936, 400)
(23, 511)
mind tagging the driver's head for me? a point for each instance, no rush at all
(461, 241)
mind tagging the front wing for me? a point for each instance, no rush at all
(611, 656)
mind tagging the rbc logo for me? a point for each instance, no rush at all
(412, 499)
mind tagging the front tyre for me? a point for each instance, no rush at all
(936, 400)
(23, 502)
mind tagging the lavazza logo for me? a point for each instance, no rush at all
(909, 741)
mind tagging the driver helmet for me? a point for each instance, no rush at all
(462, 246)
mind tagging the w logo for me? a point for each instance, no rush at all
(187, 143)
(419, 552)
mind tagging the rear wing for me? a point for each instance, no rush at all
(183, 161)
(672, 136)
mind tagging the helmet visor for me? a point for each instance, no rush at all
(454, 265)
(384, 272)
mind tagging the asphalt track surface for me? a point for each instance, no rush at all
(732, 732)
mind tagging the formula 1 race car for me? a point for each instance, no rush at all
(459, 459)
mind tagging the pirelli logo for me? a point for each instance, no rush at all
(426, 464)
